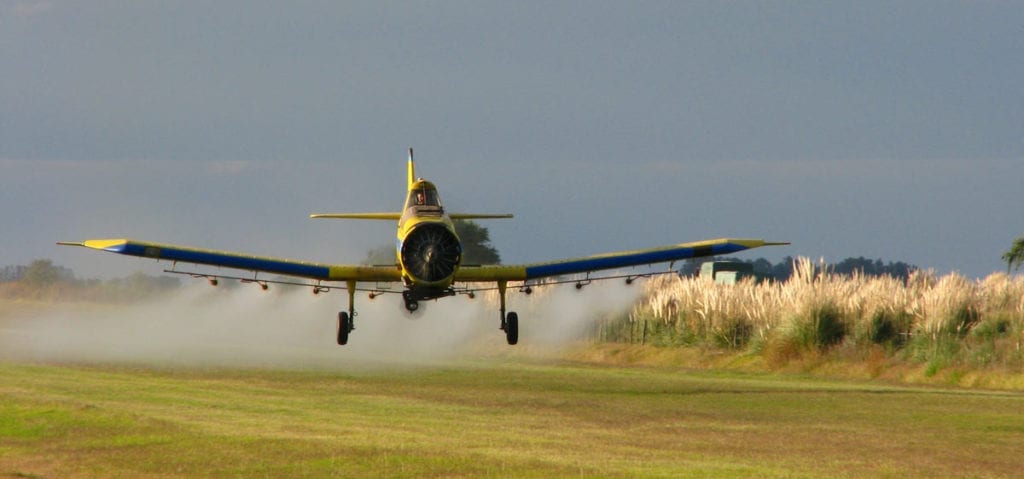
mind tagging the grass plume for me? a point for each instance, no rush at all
(940, 320)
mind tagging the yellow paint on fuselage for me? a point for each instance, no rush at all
(422, 205)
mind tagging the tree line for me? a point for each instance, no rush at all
(43, 280)
(783, 270)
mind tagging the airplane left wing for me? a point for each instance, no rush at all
(183, 254)
(607, 261)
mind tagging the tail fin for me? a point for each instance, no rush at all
(412, 170)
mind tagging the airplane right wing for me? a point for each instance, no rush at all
(608, 261)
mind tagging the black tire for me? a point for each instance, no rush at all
(512, 328)
(344, 327)
(411, 303)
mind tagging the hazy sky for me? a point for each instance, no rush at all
(888, 130)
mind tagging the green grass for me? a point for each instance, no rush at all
(516, 418)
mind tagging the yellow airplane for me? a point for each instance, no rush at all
(428, 260)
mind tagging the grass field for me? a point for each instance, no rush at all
(492, 418)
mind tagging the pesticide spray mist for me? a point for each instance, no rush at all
(289, 328)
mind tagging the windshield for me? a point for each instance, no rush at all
(424, 196)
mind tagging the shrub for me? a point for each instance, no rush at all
(820, 328)
(889, 328)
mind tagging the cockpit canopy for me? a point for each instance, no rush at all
(423, 196)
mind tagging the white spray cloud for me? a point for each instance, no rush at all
(201, 326)
(558, 314)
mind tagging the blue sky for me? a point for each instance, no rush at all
(877, 129)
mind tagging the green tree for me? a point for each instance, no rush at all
(42, 272)
(1014, 257)
(476, 243)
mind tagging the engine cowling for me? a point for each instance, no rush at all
(431, 252)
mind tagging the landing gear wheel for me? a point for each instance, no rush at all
(344, 327)
(411, 304)
(512, 328)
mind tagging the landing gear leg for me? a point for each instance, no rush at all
(510, 321)
(347, 320)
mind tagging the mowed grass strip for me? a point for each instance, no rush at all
(486, 419)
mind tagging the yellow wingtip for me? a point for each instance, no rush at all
(100, 244)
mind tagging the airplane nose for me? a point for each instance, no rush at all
(431, 252)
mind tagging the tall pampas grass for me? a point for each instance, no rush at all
(817, 310)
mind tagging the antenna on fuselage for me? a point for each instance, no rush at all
(412, 170)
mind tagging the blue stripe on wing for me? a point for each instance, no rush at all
(220, 258)
(623, 260)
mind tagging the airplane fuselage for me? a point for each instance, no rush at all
(428, 251)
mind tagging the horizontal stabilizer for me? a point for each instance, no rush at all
(478, 216)
(359, 216)
(397, 216)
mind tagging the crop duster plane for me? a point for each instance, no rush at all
(428, 260)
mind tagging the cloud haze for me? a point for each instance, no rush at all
(876, 129)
